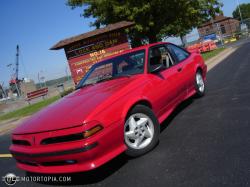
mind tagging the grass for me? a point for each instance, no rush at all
(211, 54)
(28, 110)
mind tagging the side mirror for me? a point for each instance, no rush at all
(156, 68)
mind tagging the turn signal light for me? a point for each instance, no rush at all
(92, 131)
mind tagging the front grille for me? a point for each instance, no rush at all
(21, 142)
(60, 139)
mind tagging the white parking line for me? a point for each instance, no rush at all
(5, 155)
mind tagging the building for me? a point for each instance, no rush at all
(86, 49)
(221, 26)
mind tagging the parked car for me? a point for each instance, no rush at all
(117, 107)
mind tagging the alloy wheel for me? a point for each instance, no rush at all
(138, 131)
(200, 82)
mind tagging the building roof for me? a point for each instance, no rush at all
(217, 19)
(108, 28)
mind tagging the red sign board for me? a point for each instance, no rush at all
(83, 54)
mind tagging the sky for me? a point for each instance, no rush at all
(36, 25)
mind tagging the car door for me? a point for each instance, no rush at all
(182, 63)
(166, 88)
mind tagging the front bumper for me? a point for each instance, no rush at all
(68, 157)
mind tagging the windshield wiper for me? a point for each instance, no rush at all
(105, 79)
(84, 85)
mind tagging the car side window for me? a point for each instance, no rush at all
(180, 53)
(160, 55)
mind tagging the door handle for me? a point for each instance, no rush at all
(179, 69)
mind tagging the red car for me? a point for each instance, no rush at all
(117, 107)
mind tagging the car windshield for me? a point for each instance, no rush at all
(124, 65)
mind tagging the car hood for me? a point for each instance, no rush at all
(73, 110)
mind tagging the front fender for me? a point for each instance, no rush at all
(129, 105)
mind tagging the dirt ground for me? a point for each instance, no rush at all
(12, 105)
(8, 125)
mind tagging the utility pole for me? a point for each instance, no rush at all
(238, 4)
(17, 64)
(38, 76)
(217, 29)
(17, 61)
(15, 77)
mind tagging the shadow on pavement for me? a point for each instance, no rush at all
(89, 177)
(176, 112)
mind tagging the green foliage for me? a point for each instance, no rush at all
(28, 110)
(245, 11)
(66, 92)
(210, 54)
(154, 19)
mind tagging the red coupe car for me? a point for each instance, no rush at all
(117, 107)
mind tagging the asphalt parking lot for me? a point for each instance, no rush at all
(205, 142)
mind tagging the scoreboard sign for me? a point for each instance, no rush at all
(83, 54)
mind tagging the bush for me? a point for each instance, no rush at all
(66, 92)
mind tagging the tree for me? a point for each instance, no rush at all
(153, 19)
(245, 11)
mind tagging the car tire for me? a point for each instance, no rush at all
(141, 131)
(200, 86)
